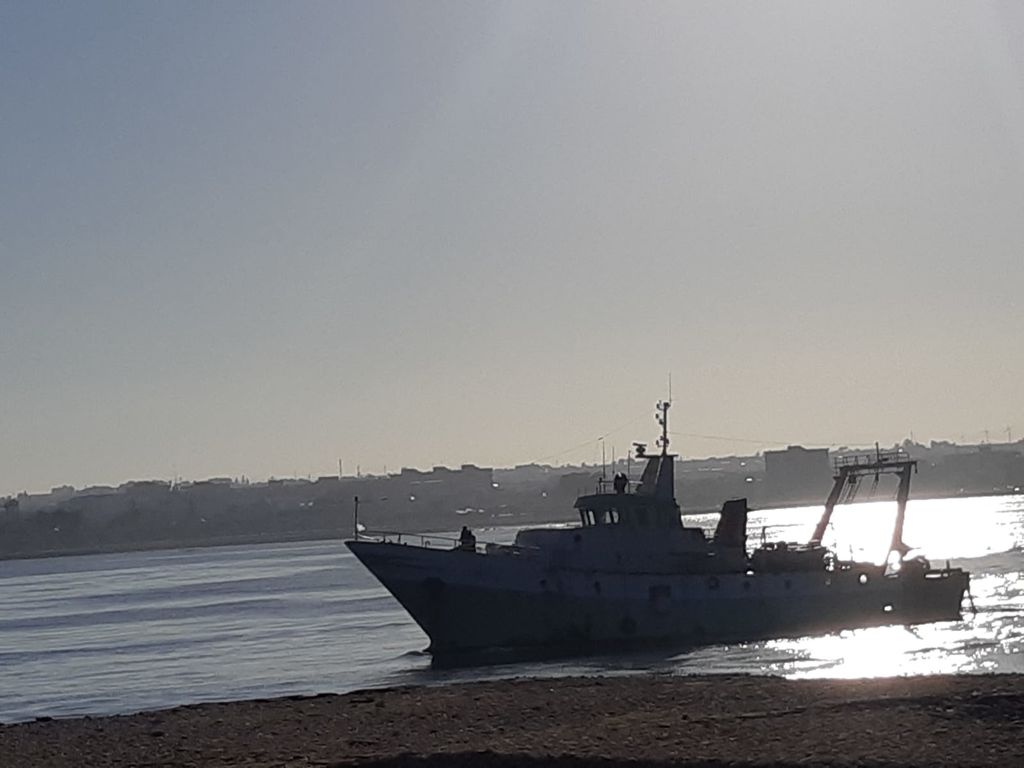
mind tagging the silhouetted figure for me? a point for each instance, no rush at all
(467, 541)
(621, 482)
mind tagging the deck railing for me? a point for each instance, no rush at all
(436, 541)
(889, 456)
(427, 540)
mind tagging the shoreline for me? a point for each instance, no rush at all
(321, 535)
(656, 720)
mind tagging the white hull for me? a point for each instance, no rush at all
(467, 602)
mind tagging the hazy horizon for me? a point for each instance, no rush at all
(254, 238)
(587, 454)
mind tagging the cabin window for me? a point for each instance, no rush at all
(599, 516)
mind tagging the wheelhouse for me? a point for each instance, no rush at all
(627, 509)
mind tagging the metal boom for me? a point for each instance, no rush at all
(849, 470)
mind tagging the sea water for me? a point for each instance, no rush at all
(119, 633)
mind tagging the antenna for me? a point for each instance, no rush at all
(670, 387)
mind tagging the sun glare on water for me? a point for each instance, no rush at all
(983, 535)
(879, 652)
(939, 529)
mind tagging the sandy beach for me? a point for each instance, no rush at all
(655, 720)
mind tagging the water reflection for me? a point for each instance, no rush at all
(985, 536)
(102, 634)
(880, 652)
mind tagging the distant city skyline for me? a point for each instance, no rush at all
(569, 457)
(252, 238)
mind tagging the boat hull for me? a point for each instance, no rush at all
(468, 602)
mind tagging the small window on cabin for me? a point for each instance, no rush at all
(613, 516)
(591, 520)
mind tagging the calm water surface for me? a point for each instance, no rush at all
(104, 634)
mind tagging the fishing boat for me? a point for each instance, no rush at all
(631, 573)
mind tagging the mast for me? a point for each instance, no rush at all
(662, 418)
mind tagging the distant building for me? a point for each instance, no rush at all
(146, 491)
(61, 493)
(987, 469)
(797, 474)
(97, 490)
(10, 509)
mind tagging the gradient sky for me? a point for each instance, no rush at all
(251, 238)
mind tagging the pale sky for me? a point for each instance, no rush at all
(252, 238)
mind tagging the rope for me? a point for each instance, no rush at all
(591, 441)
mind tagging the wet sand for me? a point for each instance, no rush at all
(611, 721)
